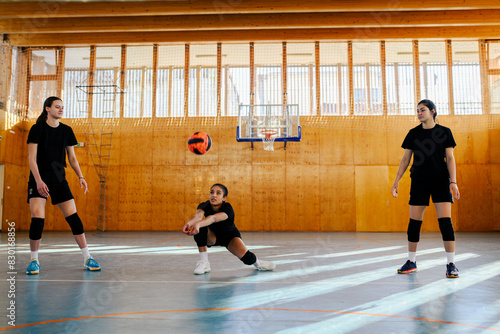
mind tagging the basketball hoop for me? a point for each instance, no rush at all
(268, 140)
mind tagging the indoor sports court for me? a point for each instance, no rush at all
(292, 119)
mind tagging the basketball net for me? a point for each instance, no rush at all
(268, 140)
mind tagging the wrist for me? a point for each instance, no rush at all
(81, 177)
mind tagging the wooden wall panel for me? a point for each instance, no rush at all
(337, 198)
(495, 195)
(113, 194)
(260, 156)
(238, 180)
(344, 175)
(305, 152)
(269, 196)
(476, 192)
(372, 198)
(472, 147)
(168, 198)
(136, 149)
(494, 146)
(232, 152)
(399, 209)
(16, 149)
(135, 210)
(15, 207)
(336, 146)
(394, 150)
(370, 147)
(115, 151)
(170, 148)
(302, 198)
(91, 207)
(198, 180)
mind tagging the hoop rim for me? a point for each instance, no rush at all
(268, 133)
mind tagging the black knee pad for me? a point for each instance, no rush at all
(201, 237)
(36, 228)
(75, 223)
(446, 228)
(414, 230)
(249, 258)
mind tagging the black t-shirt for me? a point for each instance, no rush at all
(429, 151)
(51, 152)
(226, 208)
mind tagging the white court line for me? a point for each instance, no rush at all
(283, 255)
(299, 292)
(361, 251)
(137, 250)
(314, 268)
(399, 302)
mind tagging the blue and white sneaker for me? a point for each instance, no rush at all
(91, 264)
(452, 271)
(33, 267)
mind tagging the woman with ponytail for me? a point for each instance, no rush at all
(49, 141)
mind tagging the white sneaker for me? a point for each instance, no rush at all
(265, 265)
(202, 267)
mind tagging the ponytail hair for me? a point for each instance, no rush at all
(47, 104)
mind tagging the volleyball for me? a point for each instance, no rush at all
(199, 143)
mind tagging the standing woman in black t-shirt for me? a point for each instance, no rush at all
(213, 225)
(433, 173)
(48, 142)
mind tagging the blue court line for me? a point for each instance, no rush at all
(399, 302)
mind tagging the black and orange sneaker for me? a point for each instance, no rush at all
(408, 267)
(452, 271)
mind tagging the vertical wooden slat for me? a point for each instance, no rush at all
(351, 79)
(368, 103)
(483, 65)
(426, 81)
(416, 71)
(339, 79)
(143, 84)
(396, 83)
(123, 73)
(60, 71)
(383, 66)
(219, 74)
(312, 93)
(318, 78)
(186, 81)
(226, 91)
(170, 80)
(91, 79)
(28, 83)
(155, 79)
(252, 73)
(198, 90)
(449, 67)
(284, 74)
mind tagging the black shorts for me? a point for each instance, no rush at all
(58, 192)
(222, 236)
(421, 190)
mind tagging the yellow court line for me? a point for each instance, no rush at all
(251, 309)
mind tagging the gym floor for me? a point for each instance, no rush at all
(323, 283)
